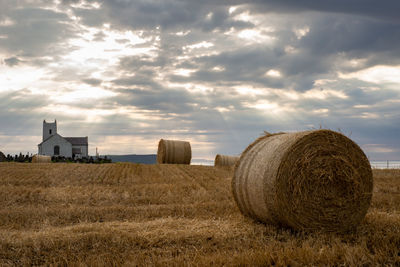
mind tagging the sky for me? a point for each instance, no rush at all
(216, 73)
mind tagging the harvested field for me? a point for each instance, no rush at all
(115, 214)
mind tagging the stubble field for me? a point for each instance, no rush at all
(133, 214)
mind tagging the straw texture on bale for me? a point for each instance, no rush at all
(2, 157)
(224, 160)
(174, 152)
(312, 180)
(41, 159)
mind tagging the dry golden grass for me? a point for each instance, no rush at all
(131, 214)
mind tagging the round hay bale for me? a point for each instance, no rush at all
(224, 160)
(312, 180)
(2, 157)
(41, 159)
(174, 152)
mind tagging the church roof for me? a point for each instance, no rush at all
(77, 141)
(51, 136)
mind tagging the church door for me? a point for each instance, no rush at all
(56, 150)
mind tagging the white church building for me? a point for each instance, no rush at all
(54, 144)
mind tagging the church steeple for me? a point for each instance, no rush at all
(49, 129)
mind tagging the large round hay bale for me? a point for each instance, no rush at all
(2, 157)
(174, 152)
(41, 159)
(312, 180)
(225, 160)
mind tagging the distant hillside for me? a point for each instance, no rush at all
(145, 159)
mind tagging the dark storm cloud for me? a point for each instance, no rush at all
(21, 100)
(68, 2)
(134, 63)
(98, 37)
(240, 65)
(35, 32)
(332, 37)
(142, 81)
(12, 61)
(149, 14)
(250, 65)
(92, 81)
(92, 17)
(219, 18)
(387, 10)
(20, 112)
(331, 42)
(166, 101)
(138, 14)
(356, 36)
(206, 15)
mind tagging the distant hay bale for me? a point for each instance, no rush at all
(312, 180)
(41, 159)
(224, 160)
(2, 157)
(174, 152)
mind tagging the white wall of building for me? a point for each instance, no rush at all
(83, 149)
(47, 148)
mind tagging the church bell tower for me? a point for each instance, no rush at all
(49, 129)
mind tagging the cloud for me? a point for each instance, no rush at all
(92, 81)
(214, 72)
(35, 32)
(12, 61)
(20, 112)
(368, 8)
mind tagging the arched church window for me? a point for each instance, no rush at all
(56, 150)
